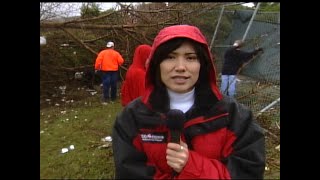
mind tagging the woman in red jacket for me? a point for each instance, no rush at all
(219, 139)
(133, 86)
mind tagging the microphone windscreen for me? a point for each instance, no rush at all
(175, 119)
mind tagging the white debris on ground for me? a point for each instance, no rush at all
(107, 142)
(266, 168)
(63, 89)
(65, 150)
(43, 40)
(71, 147)
(78, 75)
(105, 145)
(93, 93)
(107, 139)
(278, 147)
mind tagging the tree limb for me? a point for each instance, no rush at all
(79, 41)
(94, 26)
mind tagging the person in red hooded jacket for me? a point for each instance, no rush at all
(219, 137)
(133, 85)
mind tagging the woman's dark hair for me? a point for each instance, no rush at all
(159, 98)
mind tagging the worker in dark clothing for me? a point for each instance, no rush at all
(234, 58)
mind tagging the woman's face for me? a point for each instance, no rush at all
(180, 70)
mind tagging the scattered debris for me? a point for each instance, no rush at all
(78, 75)
(278, 147)
(71, 147)
(93, 93)
(278, 125)
(64, 150)
(266, 168)
(43, 40)
(63, 89)
(107, 139)
(108, 144)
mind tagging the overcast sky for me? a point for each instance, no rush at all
(104, 6)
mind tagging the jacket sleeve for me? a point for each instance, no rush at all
(201, 167)
(120, 59)
(130, 163)
(243, 151)
(246, 144)
(247, 56)
(98, 65)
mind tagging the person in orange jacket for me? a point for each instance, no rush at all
(108, 63)
(133, 85)
(212, 137)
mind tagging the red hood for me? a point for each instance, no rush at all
(186, 31)
(141, 54)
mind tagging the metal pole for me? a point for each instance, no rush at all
(232, 4)
(217, 26)
(279, 16)
(249, 25)
(269, 106)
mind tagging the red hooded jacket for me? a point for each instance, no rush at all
(224, 141)
(133, 86)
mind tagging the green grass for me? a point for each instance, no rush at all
(83, 124)
(267, 121)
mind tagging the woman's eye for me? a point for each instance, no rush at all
(170, 57)
(192, 58)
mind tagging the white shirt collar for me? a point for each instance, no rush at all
(180, 101)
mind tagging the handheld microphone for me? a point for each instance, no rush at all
(175, 121)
